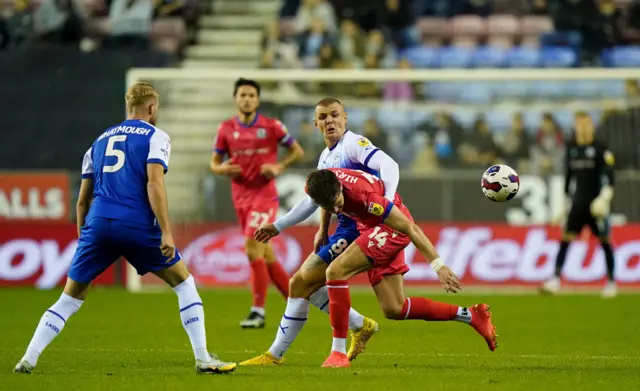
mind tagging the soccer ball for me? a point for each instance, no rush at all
(500, 183)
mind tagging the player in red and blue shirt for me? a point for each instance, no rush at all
(386, 228)
(251, 142)
(123, 211)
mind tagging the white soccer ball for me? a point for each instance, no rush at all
(500, 183)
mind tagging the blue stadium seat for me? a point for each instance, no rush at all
(548, 89)
(443, 91)
(612, 89)
(421, 57)
(489, 57)
(523, 57)
(622, 56)
(512, 90)
(455, 57)
(358, 116)
(465, 117)
(565, 119)
(393, 119)
(476, 92)
(532, 120)
(584, 89)
(558, 57)
(499, 121)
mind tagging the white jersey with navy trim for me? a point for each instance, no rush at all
(117, 163)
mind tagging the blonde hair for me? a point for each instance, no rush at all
(140, 94)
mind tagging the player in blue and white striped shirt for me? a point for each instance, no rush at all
(122, 211)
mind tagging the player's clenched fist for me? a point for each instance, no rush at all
(230, 170)
(266, 232)
(448, 279)
(167, 247)
(271, 170)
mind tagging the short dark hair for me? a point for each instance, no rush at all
(323, 187)
(327, 101)
(246, 82)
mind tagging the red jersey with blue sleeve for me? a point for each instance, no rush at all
(250, 146)
(364, 202)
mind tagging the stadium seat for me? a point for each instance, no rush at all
(558, 57)
(357, 116)
(503, 24)
(478, 92)
(490, 57)
(535, 25)
(565, 119)
(613, 89)
(465, 117)
(421, 57)
(443, 91)
(455, 57)
(532, 120)
(468, 25)
(622, 56)
(548, 89)
(499, 121)
(523, 57)
(464, 41)
(511, 90)
(580, 89)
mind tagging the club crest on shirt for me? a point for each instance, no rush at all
(236, 135)
(363, 142)
(608, 157)
(336, 159)
(375, 209)
(590, 152)
(261, 133)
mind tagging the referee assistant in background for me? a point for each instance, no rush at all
(590, 164)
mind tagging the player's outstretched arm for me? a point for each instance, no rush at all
(85, 197)
(398, 221)
(159, 204)
(302, 211)
(389, 172)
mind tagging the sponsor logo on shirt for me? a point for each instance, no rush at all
(363, 142)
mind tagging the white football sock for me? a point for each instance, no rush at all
(51, 324)
(320, 299)
(463, 315)
(192, 316)
(339, 345)
(294, 318)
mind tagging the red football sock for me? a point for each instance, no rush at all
(279, 277)
(425, 309)
(339, 305)
(259, 282)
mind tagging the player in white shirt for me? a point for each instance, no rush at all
(345, 149)
(122, 211)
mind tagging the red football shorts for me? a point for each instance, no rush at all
(385, 249)
(252, 215)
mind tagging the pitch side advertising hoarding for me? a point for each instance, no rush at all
(495, 254)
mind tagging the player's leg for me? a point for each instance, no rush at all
(279, 277)
(93, 255)
(601, 229)
(573, 226)
(351, 262)
(259, 282)
(143, 252)
(388, 284)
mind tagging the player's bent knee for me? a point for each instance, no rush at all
(296, 285)
(334, 272)
(392, 311)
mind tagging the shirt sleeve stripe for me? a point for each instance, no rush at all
(366, 161)
(287, 141)
(87, 175)
(159, 161)
(387, 210)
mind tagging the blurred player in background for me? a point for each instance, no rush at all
(251, 140)
(590, 163)
(386, 228)
(345, 149)
(122, 210)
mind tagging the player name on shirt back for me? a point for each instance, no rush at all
(127, 130)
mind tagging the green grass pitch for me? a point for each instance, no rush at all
(124, 341)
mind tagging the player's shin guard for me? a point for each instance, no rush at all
(320, 299)
(295, 315)
(560, 258)
(339, 305)
(259, 284)
(611, 266)
(192, 316)
(425, 309)
(51, 324)
(279, 277)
